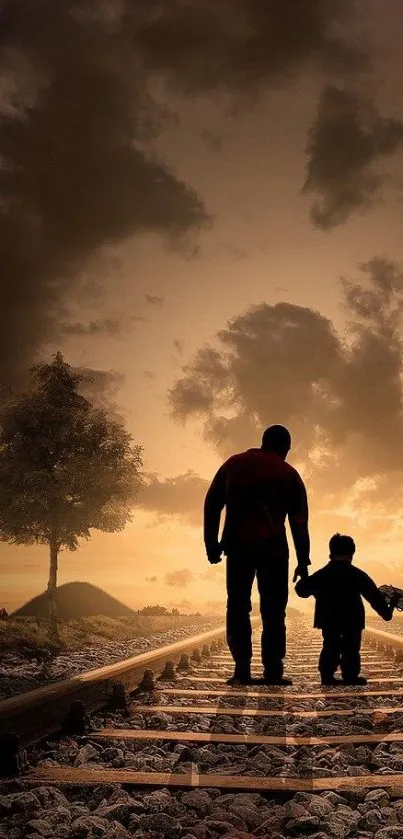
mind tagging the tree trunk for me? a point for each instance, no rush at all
(52, 586)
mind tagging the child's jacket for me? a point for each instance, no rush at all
(338, 588)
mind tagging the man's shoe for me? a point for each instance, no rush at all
(359, 680)
(278, 681)
(234, 681)
(242, 676)
(330, 680)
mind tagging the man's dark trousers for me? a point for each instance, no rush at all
(340, 647)
(270, 567)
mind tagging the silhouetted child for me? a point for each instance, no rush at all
(338, 588)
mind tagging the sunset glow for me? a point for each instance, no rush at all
(223, 243)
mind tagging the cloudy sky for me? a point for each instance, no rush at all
(203, 203)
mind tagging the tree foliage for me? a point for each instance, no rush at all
(65, 467)
(152, 611)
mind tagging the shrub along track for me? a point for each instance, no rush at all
(183, 701)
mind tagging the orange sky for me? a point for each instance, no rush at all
(261, 247)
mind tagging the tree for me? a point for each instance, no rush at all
(153, 611)
(65, 468)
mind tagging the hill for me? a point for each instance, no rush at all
(76, 600)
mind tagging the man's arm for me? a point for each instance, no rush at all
(375, 597)
(298, 518)
(213, 506)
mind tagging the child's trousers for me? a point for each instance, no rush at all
(340, 648)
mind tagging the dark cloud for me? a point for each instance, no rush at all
(78, 170)
(341, 395)
(242, 45)
(181, 496)
(253, 373)
(97, 382)
(106, 326)
(154, 299)
(192, 394)
(78, 122)
(179, 579)
(153, 579)
(348, 138)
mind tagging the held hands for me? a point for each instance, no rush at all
(214, 555)
(300, 571)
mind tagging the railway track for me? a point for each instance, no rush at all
(167, 720)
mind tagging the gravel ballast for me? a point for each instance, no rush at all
(114, 813)
(17, 675)
(225, 759)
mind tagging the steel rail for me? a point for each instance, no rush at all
(36, 714)
(383, 636)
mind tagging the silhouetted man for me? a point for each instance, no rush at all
(259, 489)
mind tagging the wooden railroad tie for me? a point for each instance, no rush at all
(287, 697)
(242, 739)
(72, 776)
(216, 710)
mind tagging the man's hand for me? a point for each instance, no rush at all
(214, 555)
(300, 571)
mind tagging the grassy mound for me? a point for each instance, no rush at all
(75, 600)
